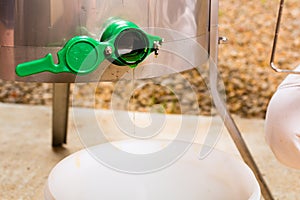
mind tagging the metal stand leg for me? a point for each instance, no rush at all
(60, 110)
(221, 106)
(236, 135)
(247, 157)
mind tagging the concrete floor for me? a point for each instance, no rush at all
(26, 156)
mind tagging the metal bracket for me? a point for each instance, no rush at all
(222, 40)
(272, 63)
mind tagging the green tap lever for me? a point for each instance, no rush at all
(122, 43)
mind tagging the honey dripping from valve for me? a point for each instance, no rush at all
(133, 101)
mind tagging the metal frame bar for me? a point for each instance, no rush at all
(221, 106)
(60, 110)
(277, 29)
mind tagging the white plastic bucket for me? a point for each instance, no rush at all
(217, 177)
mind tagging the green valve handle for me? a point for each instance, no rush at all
(80, 55)
(122, 43)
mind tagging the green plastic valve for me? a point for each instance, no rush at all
(122, 43)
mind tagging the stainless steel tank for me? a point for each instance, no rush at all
(30, 29)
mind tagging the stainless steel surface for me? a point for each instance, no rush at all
(29, 29)
(272, 61)
(60, 113)
(222, 109)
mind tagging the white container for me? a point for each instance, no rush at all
(217, 177)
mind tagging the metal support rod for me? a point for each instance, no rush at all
(237, 136)
(60, 110)
(275, 41)
(246, 155)
(221, 106)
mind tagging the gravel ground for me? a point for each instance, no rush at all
(243, 63)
